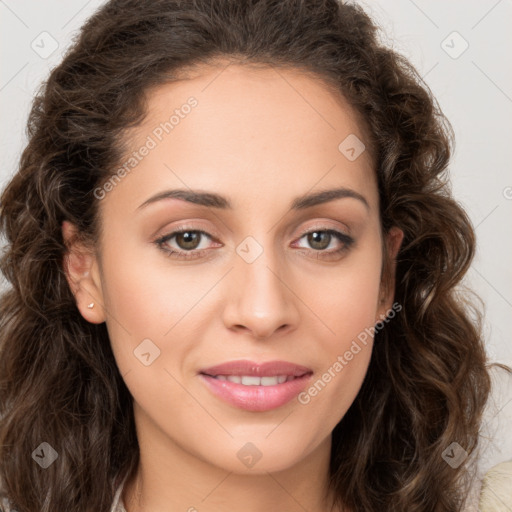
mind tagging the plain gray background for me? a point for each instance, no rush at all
(462, 49)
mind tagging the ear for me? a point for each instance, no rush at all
(82, 273)
(392, 243)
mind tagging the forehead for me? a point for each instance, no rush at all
(257, 98)
(252, 126)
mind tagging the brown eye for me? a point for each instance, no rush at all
(188, 240)
(319, 240)
(183, 243)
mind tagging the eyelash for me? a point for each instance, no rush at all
(197, 253)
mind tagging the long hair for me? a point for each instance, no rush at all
(427, 382)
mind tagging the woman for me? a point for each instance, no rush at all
(234, 265)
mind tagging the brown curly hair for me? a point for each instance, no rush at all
(427, 382)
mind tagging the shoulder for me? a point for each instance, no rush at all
(497, 487)
(495, 440)
(494, 486)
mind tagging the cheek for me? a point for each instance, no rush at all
(146, 300)
(144, 326)
(138, 307)
(347, 308)
(345, 355)
(139, 291)
(346, 300)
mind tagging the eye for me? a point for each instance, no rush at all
(321, 239)
(187, 243)
(187, 240)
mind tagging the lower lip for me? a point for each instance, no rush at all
(256, 398)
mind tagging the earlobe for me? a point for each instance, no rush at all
(81, 270)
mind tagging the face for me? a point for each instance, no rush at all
(262, 272)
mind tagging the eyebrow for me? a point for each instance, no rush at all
(213, 200)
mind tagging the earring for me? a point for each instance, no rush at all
(91, 305)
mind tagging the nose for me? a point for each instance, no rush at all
(261, 299)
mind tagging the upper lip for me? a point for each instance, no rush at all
(252, 368)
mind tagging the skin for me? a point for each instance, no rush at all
(261, 138)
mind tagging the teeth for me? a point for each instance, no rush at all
(251, 380)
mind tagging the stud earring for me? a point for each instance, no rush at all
(91, 305)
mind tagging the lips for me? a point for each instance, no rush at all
(256, 386)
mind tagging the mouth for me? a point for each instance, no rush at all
(250, 380)
(254, 386)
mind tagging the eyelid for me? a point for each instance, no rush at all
(345, 239)
(325, 226)
(182, 229)
(187, 226)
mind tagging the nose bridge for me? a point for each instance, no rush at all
(260, 299)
